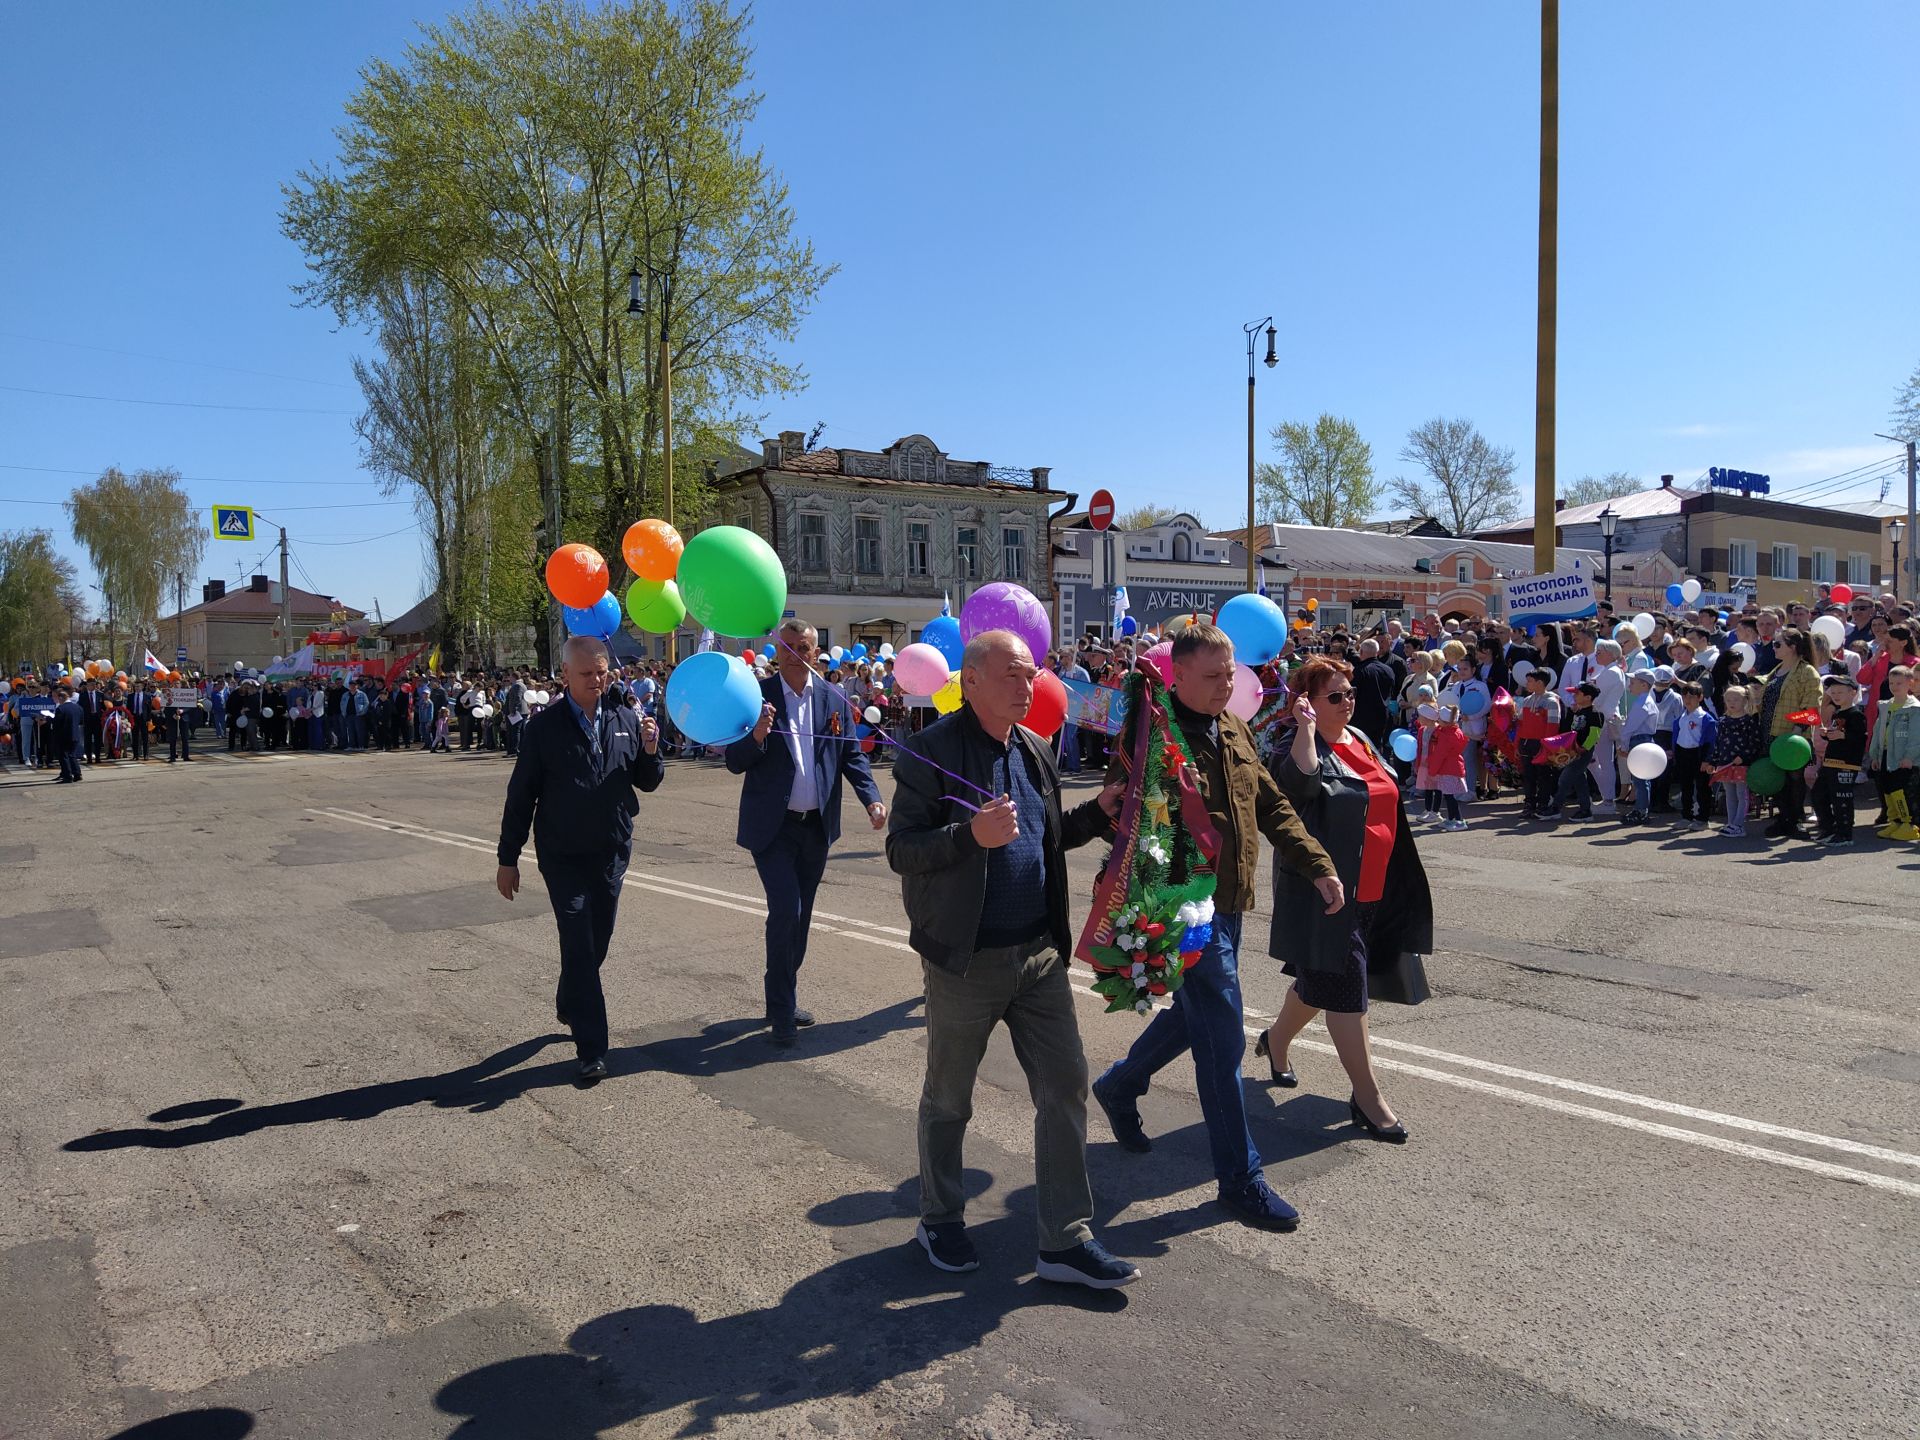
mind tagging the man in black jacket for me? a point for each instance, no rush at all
(979, 841)
(69, 733)
(573, 785)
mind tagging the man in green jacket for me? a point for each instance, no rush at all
(1207, 1016)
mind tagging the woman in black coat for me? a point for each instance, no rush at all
(1346, 794)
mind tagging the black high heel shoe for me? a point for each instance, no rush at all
(1394, 1134)
(1285, 1079)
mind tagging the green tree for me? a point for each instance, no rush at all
(525, 158)
(1324, 475)
(139, 530)
(1592, 489)
(1906, 408)
(1468, 482)
(38, 598)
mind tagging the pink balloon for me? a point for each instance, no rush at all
(920, 669)
(1160, 660)
(1247, 693)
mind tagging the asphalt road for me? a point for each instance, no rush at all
(292, 1149)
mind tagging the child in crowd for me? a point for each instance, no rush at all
(1641, 725)
(1895, 755)
(1693, 736)
(1446, 762)
(1737, 743)
(1844, 725)
(1538, 716)
(1588, 727)
(1425, 715)
(1667, 701)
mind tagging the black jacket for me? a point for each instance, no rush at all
(930, 844)
(69, 728)
(580, 807)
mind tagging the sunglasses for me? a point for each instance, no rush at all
(1337, 697)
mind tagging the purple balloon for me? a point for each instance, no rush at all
(1006, 606)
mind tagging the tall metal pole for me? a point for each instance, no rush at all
(1543, 404)
(179, 613)
(1913, 544)
(286, 597)
(666, 408)
(1250, 545)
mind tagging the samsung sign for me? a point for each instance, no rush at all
(1745, 481)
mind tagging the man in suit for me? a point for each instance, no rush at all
(573, 785)
(69, 733)
(93, 718)
(794, 761)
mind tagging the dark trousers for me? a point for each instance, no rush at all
(1663, 782)
(142, 740)
(179, 737)
(1696, 786)
(585, 896)
(96, 737)
(1537, 782)
(1207, 1018)
(466, 729)
(1570, 787)
(69, 763)
(1833, 802)
(237, 735)
(790, 870)
(1792, 804)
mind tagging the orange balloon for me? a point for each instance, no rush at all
(577, 575)
(652, 548)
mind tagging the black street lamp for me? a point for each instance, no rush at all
(1609, 526)
(1272, 360)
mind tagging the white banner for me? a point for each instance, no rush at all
(1539, 599)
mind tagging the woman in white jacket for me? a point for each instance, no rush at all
(1611, 677)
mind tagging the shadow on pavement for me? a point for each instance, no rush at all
(216, 1424)
(720, 1048)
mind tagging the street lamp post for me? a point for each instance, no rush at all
(1271, 361)
(1897, 531)
(1609, 527)
(635, 307)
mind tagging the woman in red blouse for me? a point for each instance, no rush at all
(1349, 799)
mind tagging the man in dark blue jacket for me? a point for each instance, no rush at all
(69, 733)
(794, 761)
(573, 785)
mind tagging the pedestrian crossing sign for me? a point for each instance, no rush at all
(233, 522)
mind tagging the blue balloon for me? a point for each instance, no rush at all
(1128, 625)
(713, 698)
(599, 620)
(858, 652)
(943, 633)
(768, 651)
(1474, 702)
(1256, 626)
(1675, 595)
(1404, 745)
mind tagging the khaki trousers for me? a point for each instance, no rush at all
(1025, 986)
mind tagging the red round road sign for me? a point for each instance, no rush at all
(1100, 511)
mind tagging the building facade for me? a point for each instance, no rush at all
(873, 540)
(231, 628)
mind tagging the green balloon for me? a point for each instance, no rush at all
(1791, 752)
(732, 582)
(655, 605)
(1766, 778)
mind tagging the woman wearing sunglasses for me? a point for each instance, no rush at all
(1346, 794)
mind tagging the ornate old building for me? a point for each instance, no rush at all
(872, 539)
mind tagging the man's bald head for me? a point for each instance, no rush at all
(996, 677)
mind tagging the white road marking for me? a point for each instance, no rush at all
(756, 905)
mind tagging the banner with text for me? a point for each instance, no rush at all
(1094, 707)
(1540, 599)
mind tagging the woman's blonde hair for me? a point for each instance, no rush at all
(1735, 692)
(1454, 652)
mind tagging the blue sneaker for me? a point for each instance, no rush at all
(1089, 1263)
(948, 1247)
(1257, 1205)
(1123, 1116)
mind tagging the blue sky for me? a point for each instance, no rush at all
(1051, 221)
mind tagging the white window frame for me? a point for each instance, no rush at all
(1859, 568)
(923, 567)
(1463, 572)
(826, 560)
(966, 553)
(1823, 565)
(1751, 571)
(1329, 616)
(1793, 560)
(877, 540)
(1015, 540)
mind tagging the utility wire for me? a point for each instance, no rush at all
(175, 404)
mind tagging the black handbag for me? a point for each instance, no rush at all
(1401, 981)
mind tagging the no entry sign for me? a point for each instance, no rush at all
(1100, 512)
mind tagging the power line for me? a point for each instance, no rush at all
(1870, 465)
(174, 360)
(175, 404)
(365, 540)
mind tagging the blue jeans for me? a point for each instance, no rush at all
(1070, 750)
(1206, 1018)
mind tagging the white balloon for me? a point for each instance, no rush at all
(1522, 669)
(886, 652)
(241, 721)
(838, 652)
(6, 687)
(1747, 658)
(871, 715)
(1831, 627)
(1646, 762)
(1643, 625)
(266, 712)
(1689, 590)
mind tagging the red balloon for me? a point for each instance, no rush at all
(1049, 710)
(747, 655)
(577, 575)
(866, 746)
(1841, 594)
